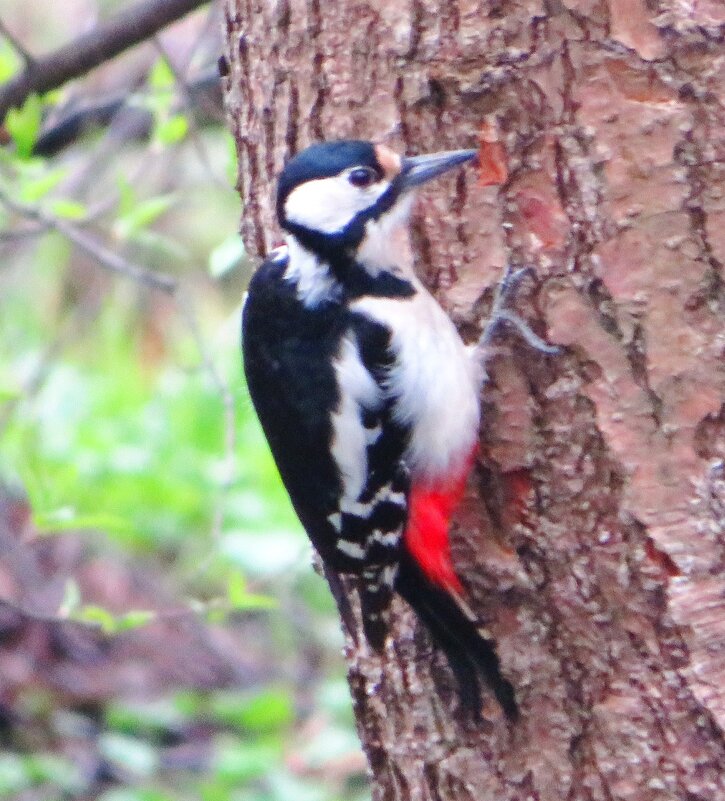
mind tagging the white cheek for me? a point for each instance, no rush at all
(329, 204)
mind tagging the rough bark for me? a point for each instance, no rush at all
(592, 541)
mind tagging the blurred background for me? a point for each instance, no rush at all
(162, 634)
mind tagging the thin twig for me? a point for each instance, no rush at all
(23, 233)
(186, 310)
(188, 102)
(195, 610)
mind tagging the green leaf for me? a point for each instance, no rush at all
(171, 130)
(9, 61)
(141, 215)
(68, 209)
(23, 125)
(110, 623)
(236, 589)
(135, 794)
(232, 168)
(59, 772)
(161, 75)
(272, 709)
(96, 616)
(240, 599)
(33, 187)
(127, 199)
(8, 393)
(66, 519)
(226, 256)
(135, 619)
(161, 90)
(266, 711)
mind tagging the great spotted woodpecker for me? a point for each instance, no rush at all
(366, 393)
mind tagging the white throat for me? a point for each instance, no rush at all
(386, 244)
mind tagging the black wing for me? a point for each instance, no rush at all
(290, 353)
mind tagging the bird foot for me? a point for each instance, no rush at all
(501, 313)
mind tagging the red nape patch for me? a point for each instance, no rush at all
(429, 519)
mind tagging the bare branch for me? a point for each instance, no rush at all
(105, 41)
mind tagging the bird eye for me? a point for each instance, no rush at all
(362, 177)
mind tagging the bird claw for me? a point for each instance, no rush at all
(501, 313)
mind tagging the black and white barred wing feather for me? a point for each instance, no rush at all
(368, 447)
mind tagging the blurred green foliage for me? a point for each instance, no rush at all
(116, 404)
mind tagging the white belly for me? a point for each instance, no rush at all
(433, 382)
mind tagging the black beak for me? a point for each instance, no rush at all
(417, 170)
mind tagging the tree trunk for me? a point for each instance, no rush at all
(592, 540)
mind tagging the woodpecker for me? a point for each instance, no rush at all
(367, 395)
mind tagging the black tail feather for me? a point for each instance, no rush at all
(470, 656)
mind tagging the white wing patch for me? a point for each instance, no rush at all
(371, 513)
(352, 549)
(358, 391)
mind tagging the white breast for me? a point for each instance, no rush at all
(433, 382)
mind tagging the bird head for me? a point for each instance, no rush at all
(350, 198)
